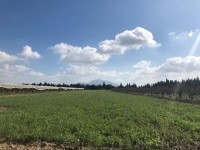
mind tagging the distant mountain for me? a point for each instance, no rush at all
(100, 81)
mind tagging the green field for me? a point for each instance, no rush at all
(99, 119)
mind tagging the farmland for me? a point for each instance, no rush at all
(99, 119)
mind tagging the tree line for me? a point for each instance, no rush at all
(79, 85)
(182, 90)
(185, 89)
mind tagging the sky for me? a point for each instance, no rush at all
(76, 41)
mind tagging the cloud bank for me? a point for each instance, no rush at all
(175, 68)
(4, 57)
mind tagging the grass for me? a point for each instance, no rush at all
(99, 119)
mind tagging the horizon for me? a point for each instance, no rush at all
(122, 42)
(94, 82)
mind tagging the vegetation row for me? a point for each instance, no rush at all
(185, 90)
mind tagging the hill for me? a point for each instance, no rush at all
(100, 82)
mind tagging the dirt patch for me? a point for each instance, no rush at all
(48, 146)
(3, 109)
(11, 95)
(53, 146)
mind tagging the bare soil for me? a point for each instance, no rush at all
(48, 146)
(53, 146)
(3, 109)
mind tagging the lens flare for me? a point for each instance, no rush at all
(195, 46)
(192, 51)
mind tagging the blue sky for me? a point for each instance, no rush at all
(73, 41)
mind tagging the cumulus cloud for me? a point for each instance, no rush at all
(144, 68)
(111, 47)
(174, 65)
(184, 35)
(13, 70)
(4, 57)
(78, 55)
(129, 39)
(181, 64)
(28, 53)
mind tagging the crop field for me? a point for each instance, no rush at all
(99, 119)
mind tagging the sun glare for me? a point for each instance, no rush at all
(195, 46)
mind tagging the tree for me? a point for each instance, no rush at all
(121, 85)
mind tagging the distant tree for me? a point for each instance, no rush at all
(104, 85)
(59, 85)
(134, 85)
(121, 85)
(45, 84)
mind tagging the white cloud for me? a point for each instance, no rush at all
(28, 53)
(81, 70)
(36, 74)
(172, 65)
(181, 64)
(88, 70)
(83, 61)
(78, 55)
(7, 69)
(175, 68)
(184, 35)
(143, 71)
(142, 64)
(111, 47)
(4, 57)
(85, 73)
(129, 39)
(18, 73)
